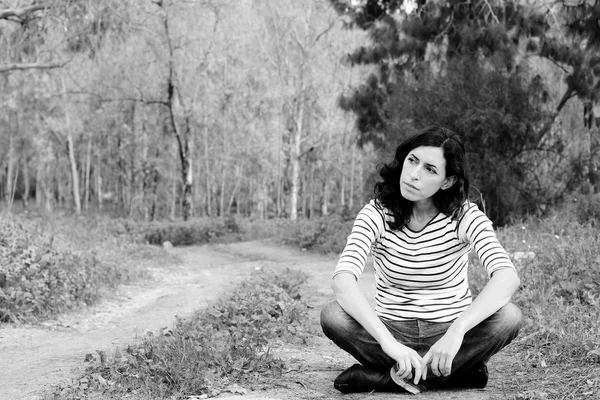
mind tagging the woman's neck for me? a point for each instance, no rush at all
(424, 209)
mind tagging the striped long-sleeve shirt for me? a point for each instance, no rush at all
(421, 275)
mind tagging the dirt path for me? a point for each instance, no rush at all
(34, 358)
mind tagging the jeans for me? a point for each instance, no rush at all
(479, 344)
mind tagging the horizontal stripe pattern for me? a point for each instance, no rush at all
(421, 275)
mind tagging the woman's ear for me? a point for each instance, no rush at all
(451, 180)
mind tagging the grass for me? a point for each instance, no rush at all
(559, 350)
(557, 354)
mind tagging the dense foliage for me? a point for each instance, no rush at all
(481, 68)
(39, 280)
(52, 265)
(498, 125)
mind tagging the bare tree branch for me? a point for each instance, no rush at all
(14, 66)
(103, 99)
(331, 25)
(22, 12)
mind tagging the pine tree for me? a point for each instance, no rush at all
(460, 64)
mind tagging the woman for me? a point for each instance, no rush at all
(420, 229)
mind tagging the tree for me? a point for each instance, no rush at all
(170, 108)
(421, 56)
(39, 38)
(296, 47)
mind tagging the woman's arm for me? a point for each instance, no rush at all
(496, 294)
(351, 298)
(476, 229)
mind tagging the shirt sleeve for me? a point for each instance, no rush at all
(476, 229)
(367, 229)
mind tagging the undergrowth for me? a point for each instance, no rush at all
(229, 343)
(325, 235)
(48, 267)
(560, 297)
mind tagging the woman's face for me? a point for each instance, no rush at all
(424, 173)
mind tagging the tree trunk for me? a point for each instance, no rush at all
(39, 184)
(325, 198)
(207, 166)
(311, 197)
(47, 187)
(173, 198)
(343, 189)
(186, 171)
(154, 191)
(71, 154)
(98, 174)
(361, 180)
(182, 135)
(74, 173)
(238, 181)
(352, 173)
(8, 188)
(88, 173)
(295, 161)
(222, 194)
(26, 183)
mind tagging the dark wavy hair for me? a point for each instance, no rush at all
(448, 201)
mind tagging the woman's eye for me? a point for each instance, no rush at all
(412, 160)
(432, 170)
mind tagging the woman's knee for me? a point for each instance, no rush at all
(510, 319)
(334, 320)
(329, 314)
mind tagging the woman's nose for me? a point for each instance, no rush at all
(414, 174)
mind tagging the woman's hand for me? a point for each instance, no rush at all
(406, 358)
(442, 353)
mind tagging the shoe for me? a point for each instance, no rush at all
(357, 379)
(475, 377)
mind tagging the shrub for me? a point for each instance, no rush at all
(326, 235)
(587, 209)
(184, 233)
(41, 280)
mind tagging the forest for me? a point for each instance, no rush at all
(157, 110)
(261, 125)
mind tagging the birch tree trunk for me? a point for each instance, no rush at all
(173, 198)
(238, 174)
(295, 161)
(207, 166)
(26, 183)
(8, 188)
(71, 153)
(352, 169)
(325, 201)
(98, 174)
(222, 194)
(88, 173)
(73, 165)
(39, 184)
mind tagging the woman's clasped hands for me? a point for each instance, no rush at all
(439, 357)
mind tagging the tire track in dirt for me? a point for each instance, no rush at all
(34, 357)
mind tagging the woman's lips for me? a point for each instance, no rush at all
(411, 186)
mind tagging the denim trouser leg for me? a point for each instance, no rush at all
(479, 344)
